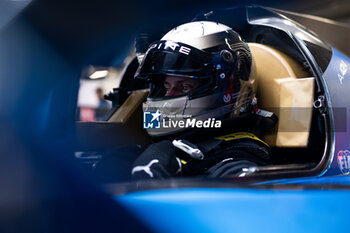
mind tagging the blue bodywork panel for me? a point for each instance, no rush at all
(240, 210)
(338, 83)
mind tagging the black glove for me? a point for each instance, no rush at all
(157, 161)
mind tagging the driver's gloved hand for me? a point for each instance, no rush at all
(157, 161)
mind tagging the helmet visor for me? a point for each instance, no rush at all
(168, 57)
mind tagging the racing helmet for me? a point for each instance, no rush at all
(209, 54)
